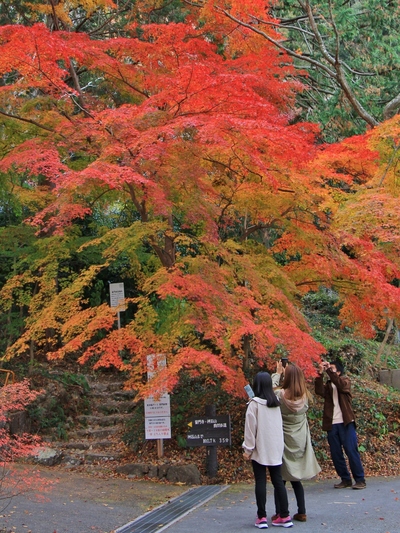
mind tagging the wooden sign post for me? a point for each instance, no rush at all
(210, 431)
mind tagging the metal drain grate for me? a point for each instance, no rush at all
(162, 517)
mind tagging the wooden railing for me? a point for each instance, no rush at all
(8, 375)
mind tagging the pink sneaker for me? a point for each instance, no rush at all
(261, 523)
(283, 522)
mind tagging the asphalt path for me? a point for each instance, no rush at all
(73, 502)
(375, 509)
(85, 504)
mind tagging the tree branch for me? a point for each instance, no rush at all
(29, 121)
(278, 44)
(336, 72)
(391, 108)
(395, 150)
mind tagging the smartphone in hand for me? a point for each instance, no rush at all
(249, 391)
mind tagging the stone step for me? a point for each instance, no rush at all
(94, 457)
(97, 434)
(100, 392)
(105, 420)
(86, 445)
(124, 395)
(110, 407)
(106, 386)
(85, 457)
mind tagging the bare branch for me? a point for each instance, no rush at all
(278, 44)
(336, 71)
(335, 31)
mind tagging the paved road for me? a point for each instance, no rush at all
(78, 504)
(373, 510)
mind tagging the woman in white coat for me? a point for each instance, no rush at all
(299, 460)
(263, 445)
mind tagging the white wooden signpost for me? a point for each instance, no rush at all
(117, 299)
(157, 412)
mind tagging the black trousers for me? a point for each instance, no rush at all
(298, 490)
(260, 477)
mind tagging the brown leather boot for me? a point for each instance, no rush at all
(300, 517)
(359, 485)
(343, 484)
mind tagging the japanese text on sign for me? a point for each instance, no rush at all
(117, 296)
(158, 428)
(160, 407)
(206, 431)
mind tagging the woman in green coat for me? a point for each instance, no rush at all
(299, 460)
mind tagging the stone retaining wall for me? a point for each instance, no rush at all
(390, 377)
(187, 474)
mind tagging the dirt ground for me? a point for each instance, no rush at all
(72, 502)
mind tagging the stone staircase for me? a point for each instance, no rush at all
(97, 437)
(95, 442)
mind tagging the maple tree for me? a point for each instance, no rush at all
(361, 173)
(15, 397)
(15, 478)
(168, 158)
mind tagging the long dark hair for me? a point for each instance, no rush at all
(262, 387)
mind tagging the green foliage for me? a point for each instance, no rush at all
(52, 417)
(357, 354)
(66, 396)
(134, 435)
(322, 307)
(174, 11)
(324, 301)
(181, 441)
(283, 258)
(169, 311)
(75, 380)
(392, 361)
(377, 414)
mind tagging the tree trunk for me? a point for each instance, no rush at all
(383, 344)
(246, 352)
